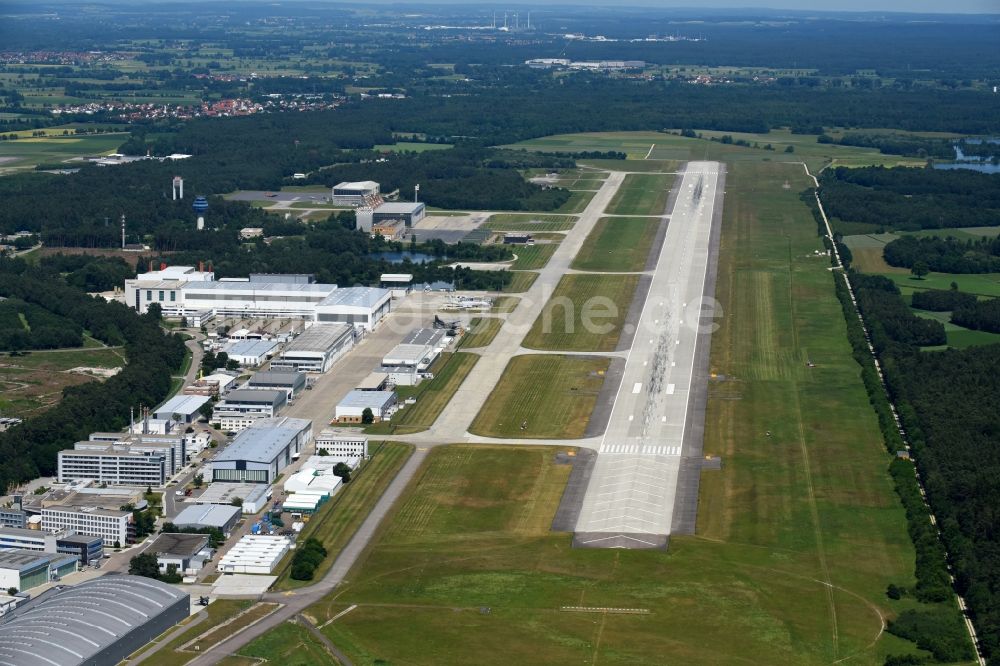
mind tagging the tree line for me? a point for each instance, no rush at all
(945, 255)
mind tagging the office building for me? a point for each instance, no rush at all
(163, 287)
(242, 408)
(343, 443)
(113, 526)
(113, 464)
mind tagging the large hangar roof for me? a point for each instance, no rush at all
(69, 627)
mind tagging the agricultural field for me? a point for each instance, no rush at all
(432, 396)
(337, 520)
(618, 244)
(585, 313)
(31, 382)
(529, 222)
(641, 194)
(26, 153)
(543, 396)
(481, 332)
(532, 257)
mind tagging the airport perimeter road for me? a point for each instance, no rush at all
(453, 423)
(630, 498)
(296, 601)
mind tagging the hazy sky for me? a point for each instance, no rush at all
(928, 6)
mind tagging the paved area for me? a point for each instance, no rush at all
(630, 498)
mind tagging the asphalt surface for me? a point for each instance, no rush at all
(630, 498)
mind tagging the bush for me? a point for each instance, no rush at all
(939, 631)
(308, 556)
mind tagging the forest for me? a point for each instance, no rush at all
(29, 450)
(946, 401)
(891, 322)
(945, 255)
(908, 199)
(979, 315)
(908, 145)
(29, 326)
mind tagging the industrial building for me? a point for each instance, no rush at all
(242, 408)
(251, 353)
(351, 408)
(308, 481)
(163, 287)
(363, 307)
(245, 298)
(186, 552)
(292, 383)
(13, 517)
(397, 283)
(101, 621)
(115, 527)
(222, 518)
(344, 443)
(26, 569)
(408, 361)
(316, 349)
(181, 408)
(212, 385)
(259, 453)
(407, 212)
(85, 548)
(354, 194)
(300, 504)
(252, 496)
(375, 381)
(254, 554)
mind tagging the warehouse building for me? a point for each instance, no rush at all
(251, 353)
(408, 362)
(243, 408)
(354, 194)
(114, 527)
(85, 548)
(101, 621)
(243, 298)
(351, 408)
(181, 408)
(343, 443)
(254, 554)
(362, 307)
(252, 496)
(260, 453)
(292, 383)
(186, 552)
(27, 569)
(222, 518)
(407, 212)
(316, 349)
(399, 284)
(309, 481)
(300, 504)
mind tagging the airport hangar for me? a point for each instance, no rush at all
(259, 453)
(316, 349)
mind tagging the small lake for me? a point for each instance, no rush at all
(400, 257)
(979, 164)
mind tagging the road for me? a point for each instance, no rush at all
(631, 495)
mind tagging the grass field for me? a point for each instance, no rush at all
(520, 282)
(529, 222)
(959, 337)
(641, 194)
(288, 644)
(542, 396)
(618, 244)
(666, 151)
(217, 612)
(27, 153)
(584, 313)
(577, 201)
(337, 520)
(533, 257)
(798, 535)
(503, 304)
(481, 332)
(449, 372)
(212, 637)
(34, 381)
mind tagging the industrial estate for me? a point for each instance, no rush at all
(339, 335)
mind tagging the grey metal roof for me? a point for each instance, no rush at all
(250, 347)
(366, 297)
(423, 336)
(262, 443)
(172, 543)
(247, 286)
(278, 378)
(363, 399)
(72, 625)
(209, 515)
(400, 207)
(256, 396)
(182, 404)
(320, 338)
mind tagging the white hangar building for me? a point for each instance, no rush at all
(360, 306)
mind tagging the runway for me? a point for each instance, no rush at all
(630, 499)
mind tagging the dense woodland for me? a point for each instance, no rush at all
(945, 255)
(29, 326)
(908, 199)
(29, 450)
(978, 315)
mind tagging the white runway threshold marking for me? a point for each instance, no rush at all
(634, 482)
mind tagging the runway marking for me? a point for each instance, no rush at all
(650, 151)
(670, 389)
(638, 387)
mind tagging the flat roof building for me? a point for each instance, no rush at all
(360, 306)
(114, 464)
(354, 194)
(291, 300)
(223, 518)
(409, 212)
(309, 481)
(342, 443)
(291, 382)
(163, 287)
(186, 552)
(181, 408)
(351, 408)
(259, 453)
(132, 612)
(254, 554)
(251, 353)
(253, 496)
(242, 408)
(113, 526)
(316, 349)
